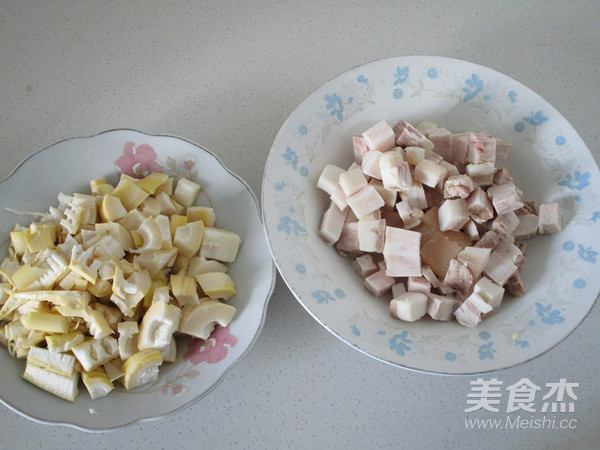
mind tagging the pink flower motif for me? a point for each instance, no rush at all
(189, 162)
(178, 388)
(138, 161)
(212, 350)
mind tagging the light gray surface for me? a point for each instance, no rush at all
(226, 74)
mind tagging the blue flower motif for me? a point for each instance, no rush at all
(560, 140)
(548, 315)
(362, 79)
(486, 351)
(381, 332)
(519, 127)
(334, 102)
(577, 181)
(303, 171)
(579, 283)
(595, 216)
(300, 268)
(401, 75)
(451, 356)
(291, 157)
(398, 93)
(487, 97)
(512, 96)
(474, 86)
(535, 119)
(322, 296)
(339, 293)
(355, 331)
(577, 198)
(587, 254)
(399, 343)
(522, 343)
(432, 72)
(290, 226)
(302, 129)
(484, 335)
(280, 185)
(568, 246)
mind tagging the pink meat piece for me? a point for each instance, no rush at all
(379, 137)
(505, 197)
(419, 284)
(364, 265)
(505, 224)
(441, 307)
(502, 148)
(415, 196)
(365, 201)
(379, 283)
(401, 252)
(370, 164)
(549, 218)
(528, 226)
(470, 311)
(347, 245)
(407, 135)
(499, 268)
(479, 206)
(460, 148)
(515, 285)
(481, 149)
(360, 148)
(442, 143)
(502, 176)
(490, 239)
(510, 251)
(459, 278)
(458, 186)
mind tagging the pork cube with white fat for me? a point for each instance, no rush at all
(379, 137)
(401, 252)
(528, 226)
(510, 251)
(442, 307)
(458, 186)
(329, 179)
(515, 285)
(418, 284)
(411, 217)
(502, 148)
(442, 143)
(482, 174)
(379, 283)
(398, 288)
(549, 218)
(409, 306)
(460, 148)
(347, 244)
(475, 259)
(453, 214)
(491, 292)
(505, 197)
(415, 196)
(389, 196)
(459, 277)
(395, 172)
(365, 201)
(414, 155)
(430, 173)
(332, 224)
(407, 135)
(371, 235)
(505, 224)
(364, 265)
(482, 148)
(352, 181)
(489, 240)
(470, 311)
(499, 268)
(370, 164)
(359, 147)
(479, 206)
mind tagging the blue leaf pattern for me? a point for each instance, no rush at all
(587, 254)
(323, 296)
(290, 226)
(536, 119)
(401, 75)
(334, 103)
(291, 157)
(474, 86)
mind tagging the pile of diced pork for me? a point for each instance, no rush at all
(428, 216)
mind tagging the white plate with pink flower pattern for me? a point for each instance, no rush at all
(549, 162)
(67, 167)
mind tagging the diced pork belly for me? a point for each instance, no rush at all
(549, 218)
(339, 198)
(407, 135)
(491, 292)
(505, 197)
(470, 229)
(499, 268)
(430, 276)
(459, 277)
(482, 148)
(409, 306)
(474, 258)
(329, 179)
(442, 143)
(479, 206)
(505, 224)
(458, 186)
(365, 201)
(414, 155)
(359, 147)
(370, 164)
(411, 217)
(347, 245)
(401, 252)
(529, 207)
(415, 196)
(527, 228)
(430, 173)
(332, 224)
(502, 148)
(515, 285)
(431, 156)
(379, 137)
(389, 197)
(453, 214)
(352, 181)
(460, 148)
(398, 289)
(450, 168)
(364, 265)
(510, 251)
(501, 176)
(489, 240)
(482, 173)
(441, 307)
(379, 283)
(437, 253)
(371, 235)
(419, 284)
(470, 311)
(395, 172)
(426, 127)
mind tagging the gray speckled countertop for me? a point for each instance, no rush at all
(226, 74)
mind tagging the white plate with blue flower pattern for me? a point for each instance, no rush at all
(67, 167)
(548, 160)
